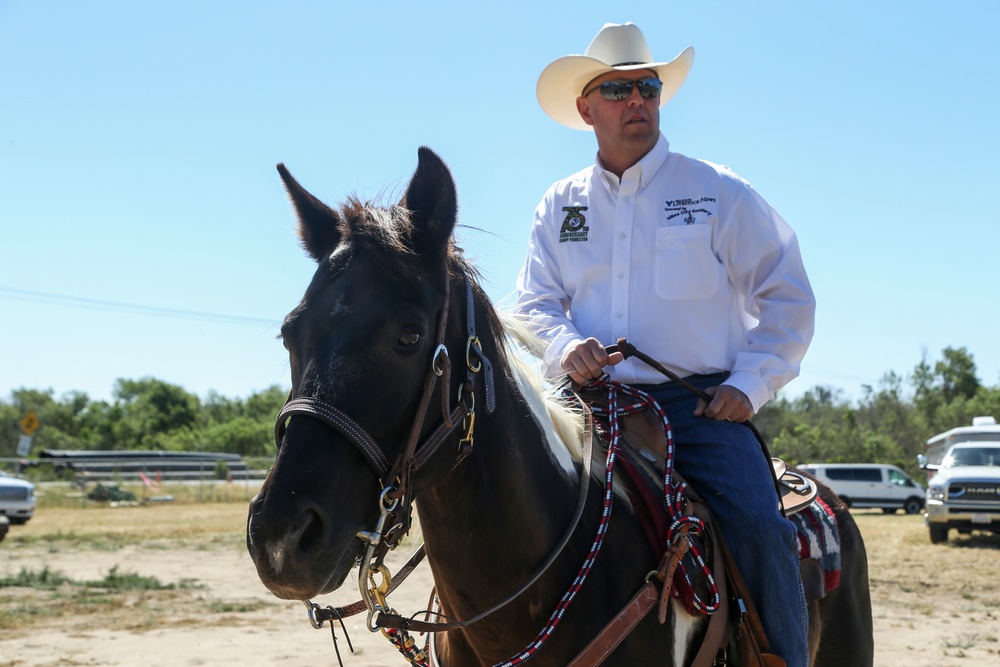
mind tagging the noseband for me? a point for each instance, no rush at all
(397, 478)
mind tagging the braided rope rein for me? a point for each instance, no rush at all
(673, 502)
(673, 493)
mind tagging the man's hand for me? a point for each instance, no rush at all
(728, 403)
(585, 360)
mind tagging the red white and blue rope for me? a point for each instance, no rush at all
(588, 563)
(673, 501)
(673, 493)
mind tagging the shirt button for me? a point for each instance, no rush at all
(621, 274)
(622, 235)
(618, 315)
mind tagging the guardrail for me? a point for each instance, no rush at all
(131, 466)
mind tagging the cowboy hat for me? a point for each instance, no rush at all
(620, 47)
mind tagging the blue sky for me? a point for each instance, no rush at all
(144, 231)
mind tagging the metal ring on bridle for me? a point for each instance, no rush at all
(470, 405)
(386, 500)
(473, 341)
(313, 616)
(441, 349)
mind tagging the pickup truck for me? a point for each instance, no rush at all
(964, 491)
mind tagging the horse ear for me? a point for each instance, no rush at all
(320, 228)
(432, 202)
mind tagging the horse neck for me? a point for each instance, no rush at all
(503, 508)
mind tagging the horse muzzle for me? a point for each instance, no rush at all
(299, 555)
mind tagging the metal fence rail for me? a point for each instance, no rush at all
(134, 465)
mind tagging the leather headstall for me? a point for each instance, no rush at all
(397, 478)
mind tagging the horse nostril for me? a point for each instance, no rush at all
(313, 529)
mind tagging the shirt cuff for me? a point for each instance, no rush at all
(753, 386)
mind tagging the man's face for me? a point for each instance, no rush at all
(631, 124)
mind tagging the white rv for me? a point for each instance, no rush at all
(982, 429)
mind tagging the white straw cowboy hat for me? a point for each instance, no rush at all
(619, 47)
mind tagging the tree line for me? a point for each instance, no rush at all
(145, 414)
(889, 423)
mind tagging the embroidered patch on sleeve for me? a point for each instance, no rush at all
(574, 227)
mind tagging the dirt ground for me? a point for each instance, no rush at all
(932, 605)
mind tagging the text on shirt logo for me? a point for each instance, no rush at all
(574, 227)
(686, 207)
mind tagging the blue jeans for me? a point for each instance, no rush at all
(723, 462)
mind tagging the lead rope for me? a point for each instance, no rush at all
(673, 500)
(681, 523)
(588, 563)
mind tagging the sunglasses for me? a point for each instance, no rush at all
(620, 89)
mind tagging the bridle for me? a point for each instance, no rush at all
(397, 478)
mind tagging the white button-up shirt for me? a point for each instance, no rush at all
(681, 257)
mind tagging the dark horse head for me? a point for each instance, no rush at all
(362, 342)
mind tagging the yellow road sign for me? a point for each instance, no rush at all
(30, 423)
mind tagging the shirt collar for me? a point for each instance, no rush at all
(643, 171)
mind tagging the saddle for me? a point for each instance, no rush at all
(642, 442)
(642, 436)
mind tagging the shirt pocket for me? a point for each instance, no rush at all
(686, 267)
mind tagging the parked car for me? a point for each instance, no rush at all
(964, 492)
(870, 485)
(17, 498)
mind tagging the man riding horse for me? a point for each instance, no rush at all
(688, 262)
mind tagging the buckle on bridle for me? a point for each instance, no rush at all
(438, 353)
(473, 344)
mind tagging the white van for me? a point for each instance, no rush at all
(870, 485)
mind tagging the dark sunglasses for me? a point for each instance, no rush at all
(620, 89)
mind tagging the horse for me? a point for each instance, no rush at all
(392, 322)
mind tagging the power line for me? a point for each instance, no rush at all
(100, 304)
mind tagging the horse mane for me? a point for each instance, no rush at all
(525, 368)
(384, 227)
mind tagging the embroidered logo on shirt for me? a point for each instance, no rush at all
(574, 227)
(689, 208)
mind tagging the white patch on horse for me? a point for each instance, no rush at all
(279, 550)
(557, 447)
(684, 627)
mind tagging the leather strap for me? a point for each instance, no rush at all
(620, 626)
(715, 636)
(643, 602)
(636, 609)
(629, 350)
(332, 613)
(405, 465)
(339, 420)
(749, 617)
(392, 620)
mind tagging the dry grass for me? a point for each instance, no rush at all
(103, 528)
(932, 604)
(209, 513)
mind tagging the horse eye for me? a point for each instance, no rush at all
(409, 339)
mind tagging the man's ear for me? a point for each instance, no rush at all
(583, 108)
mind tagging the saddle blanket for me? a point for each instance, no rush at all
(819, 539)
